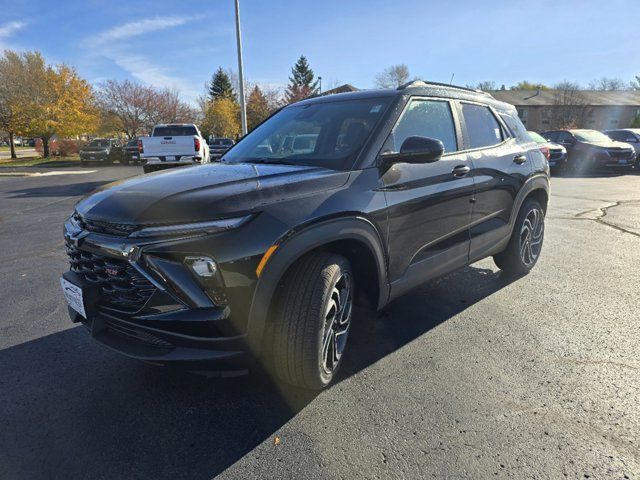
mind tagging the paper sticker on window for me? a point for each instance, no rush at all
(497, 132)
(375, 109)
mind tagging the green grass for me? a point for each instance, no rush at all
(41, 162)
(6, 149)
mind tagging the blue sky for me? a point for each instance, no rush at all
(180, 43)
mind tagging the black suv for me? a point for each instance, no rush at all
(104, 150)
(261, 256)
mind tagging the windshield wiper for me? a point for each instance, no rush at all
(272, 160)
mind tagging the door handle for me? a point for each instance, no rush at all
(520, 159)
(460, 171)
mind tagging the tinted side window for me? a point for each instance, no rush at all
(482, 127)
(551, 136)
(425, 118)
(517, 128)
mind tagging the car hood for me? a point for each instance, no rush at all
(205, 192)
(609, 144)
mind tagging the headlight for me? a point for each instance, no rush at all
(200, 228)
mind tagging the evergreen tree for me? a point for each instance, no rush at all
(221, 86)
(302, 82)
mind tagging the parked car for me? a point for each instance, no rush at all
(102, 150)
(630, 136)
(555, 154)
(219, 146)
(263, 255)
(130, 152)
(592, 150)
(173, 145)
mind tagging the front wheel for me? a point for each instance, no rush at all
(312, 320)
(525, 245)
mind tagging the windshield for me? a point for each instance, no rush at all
(536, 137)
(175, 131)
(590, 136)
(324, 134)
(98, 144)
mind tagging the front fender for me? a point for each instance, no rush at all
(294, 245)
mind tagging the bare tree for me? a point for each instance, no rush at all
(138, 107)
(606, 83)
(486, 86)
(572, 109)
(167, 107)
(393, 76)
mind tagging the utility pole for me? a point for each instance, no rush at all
(320, 80)
(243, 106)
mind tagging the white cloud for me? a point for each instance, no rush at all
(117, 45)
(9, 28)
(134, 29)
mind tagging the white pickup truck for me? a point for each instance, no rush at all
(173, 145)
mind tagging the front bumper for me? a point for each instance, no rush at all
(94, 157)
(178, 324)
(559, 161)
(165, 347)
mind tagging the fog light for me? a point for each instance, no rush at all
(203, 267)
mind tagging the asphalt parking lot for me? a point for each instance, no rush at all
(475, 375)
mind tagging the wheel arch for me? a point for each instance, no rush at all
(536, 187)
(356, 238)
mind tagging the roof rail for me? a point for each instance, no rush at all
(423, 83)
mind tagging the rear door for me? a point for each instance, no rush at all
(500, 168)
(429, 205)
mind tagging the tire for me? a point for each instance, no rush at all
(525, 244)
(124, 161)
(148, 169)
(84, 163)
(312, 319)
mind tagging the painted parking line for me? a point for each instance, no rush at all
(45, 174)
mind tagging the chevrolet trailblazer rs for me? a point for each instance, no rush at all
(353, 198)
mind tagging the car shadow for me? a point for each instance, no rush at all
(70, 190)
(72, 409)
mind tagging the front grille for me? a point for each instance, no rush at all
(106, 228)
(121, 286)
(620, 153)
(136, 334)
(555, 154)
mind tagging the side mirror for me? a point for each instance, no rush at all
(416, 150)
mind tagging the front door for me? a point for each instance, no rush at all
(429, 205)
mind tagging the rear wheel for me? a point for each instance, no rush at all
(148, 169)
(525, 245)
(312, 321)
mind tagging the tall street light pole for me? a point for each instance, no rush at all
(243, 106)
